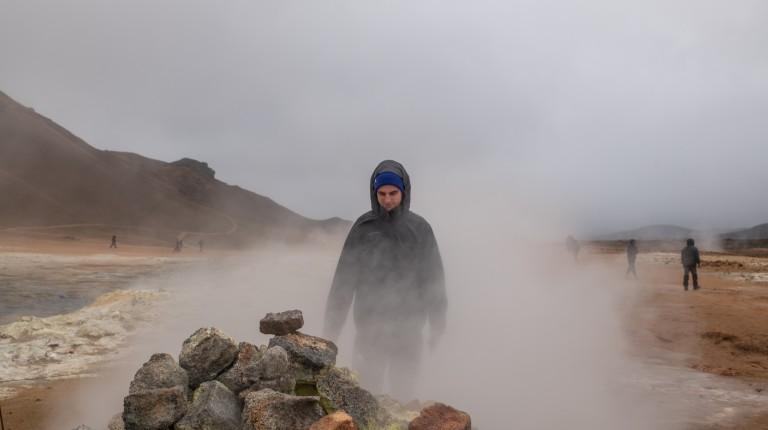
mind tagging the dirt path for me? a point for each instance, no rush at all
(718, 332)
(719, 329)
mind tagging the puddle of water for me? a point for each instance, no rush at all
(700, 398)
(43, 285)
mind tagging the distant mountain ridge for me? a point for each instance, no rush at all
(50, 177)
(651, 232)
(662, 232)
(758, 232)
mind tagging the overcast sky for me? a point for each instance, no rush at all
(618, 114)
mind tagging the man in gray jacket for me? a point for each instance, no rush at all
(690, 259)
(391, 268)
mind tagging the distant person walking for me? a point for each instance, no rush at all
(572, 245)
(200, 244)
(691, 260)
(114, 242)
(631, 257)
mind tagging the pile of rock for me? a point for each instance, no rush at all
(291, 384)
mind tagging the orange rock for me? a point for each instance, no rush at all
(441, 417)
(338, 420)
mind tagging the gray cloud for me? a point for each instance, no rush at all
(611, 114)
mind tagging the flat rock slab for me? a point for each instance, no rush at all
(282, 323)
(308, 351)
(335, 421)
(441, 417)
(270, 410)
(207, 353)
(154, 409)
(284, 384)
(214, 407)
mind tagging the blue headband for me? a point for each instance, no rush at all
(388, 178)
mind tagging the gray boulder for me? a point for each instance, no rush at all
(281, 323)
(270, 410)
(246, 369)
(116, 423)
(275, 372)
(154, 409)
(307, 354)
(161, 371)
(206, 354)
(268, 369)
(340, 390)
(214, 407)
(274, 363)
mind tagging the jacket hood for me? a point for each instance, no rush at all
(399, 170)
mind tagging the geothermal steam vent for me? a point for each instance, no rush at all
(292, 384)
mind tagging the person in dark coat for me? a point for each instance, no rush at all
(390, 268)
(691, 260)
(114, 242)
(631, 257)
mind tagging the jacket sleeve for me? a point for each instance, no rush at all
(342, 289)
(696, 256)
(436, 298)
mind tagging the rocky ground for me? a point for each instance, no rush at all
(708, 346)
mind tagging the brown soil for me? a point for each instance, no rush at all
(721, 328)
(718, 329)
(30, 409)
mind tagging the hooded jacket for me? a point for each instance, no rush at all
(390, 267)
(690, 256)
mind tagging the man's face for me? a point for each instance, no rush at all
(389, 197)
